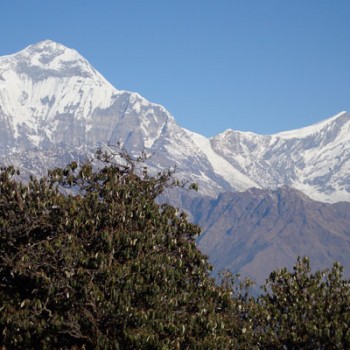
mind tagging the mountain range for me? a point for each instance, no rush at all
(54, 107)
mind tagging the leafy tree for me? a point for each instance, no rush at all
(88, 259)
(305, 310)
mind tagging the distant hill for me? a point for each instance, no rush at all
(257, 231)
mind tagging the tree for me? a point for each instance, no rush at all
(305, 310)
(89, 259)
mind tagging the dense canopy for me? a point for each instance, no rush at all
(88, 259)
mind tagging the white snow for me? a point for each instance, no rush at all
(220, 165)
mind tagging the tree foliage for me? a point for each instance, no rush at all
(88, 259)
(103, 265)
(302, 309)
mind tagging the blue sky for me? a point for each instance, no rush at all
(254, 65)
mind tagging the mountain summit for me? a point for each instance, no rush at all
(54, 105)
(52, 57)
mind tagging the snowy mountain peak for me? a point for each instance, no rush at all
(48, 58)
(44, 86)
(45, 51)
(48, 45)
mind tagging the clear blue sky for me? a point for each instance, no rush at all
(254, 65)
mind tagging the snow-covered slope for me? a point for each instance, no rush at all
(55, 106)
(220, 165)
(315, 159)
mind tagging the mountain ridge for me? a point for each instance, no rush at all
(64, 101)
(249, 205)
(304, 160)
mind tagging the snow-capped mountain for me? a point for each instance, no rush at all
(55, 106)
